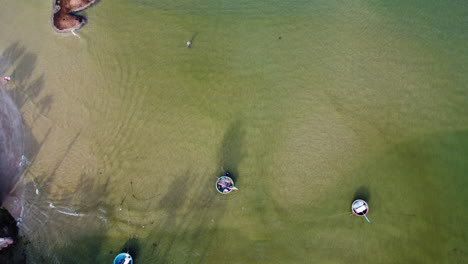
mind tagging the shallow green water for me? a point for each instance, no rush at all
(308, 103)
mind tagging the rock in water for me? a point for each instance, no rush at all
(11, 155)
(11, 168)
(8, 229)
(64, 18)
(11, 144)
(10, 252)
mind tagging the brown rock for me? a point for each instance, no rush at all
(63, 18)
(67, 22)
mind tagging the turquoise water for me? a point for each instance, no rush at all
(309, 104)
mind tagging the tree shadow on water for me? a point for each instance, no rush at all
(10, 55)
(192, 212)
(26, 88)
(81, 250)
(25, 67)
(172, 202)
(84, 212)
(22, 63)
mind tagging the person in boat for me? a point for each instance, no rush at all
(225, 184)
(360, 207)
(127, 259)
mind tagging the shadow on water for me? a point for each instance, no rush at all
(45, 179)
(190, 226)
(21, 146)
(362, 193)
(192, 39)
(10, 55)
(26, 88)
(21, 64)
(41, 243)
(132, 247)
(25, 67)
(171, 203)
(81, 250)
(86, 215)
(38, 239)
(232, 152)
(15, 59)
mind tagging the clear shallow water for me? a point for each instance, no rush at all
(129, 130)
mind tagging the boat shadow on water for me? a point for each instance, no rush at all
(362, 193)
(132, 247)
(231, 151)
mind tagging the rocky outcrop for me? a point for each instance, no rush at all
(8, 229)
(11, 145)
(11, 249)
(64, 19)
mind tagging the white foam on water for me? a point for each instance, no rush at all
(69, 213)
(103, 219)
(24, 161)
(65, 210)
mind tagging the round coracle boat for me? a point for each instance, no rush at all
(225, 184)
(123, 258)
(360, 207)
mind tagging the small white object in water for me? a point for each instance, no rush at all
(127, 259)
(18, 221)
(189, 44)
(24, 161)
(73, 32)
